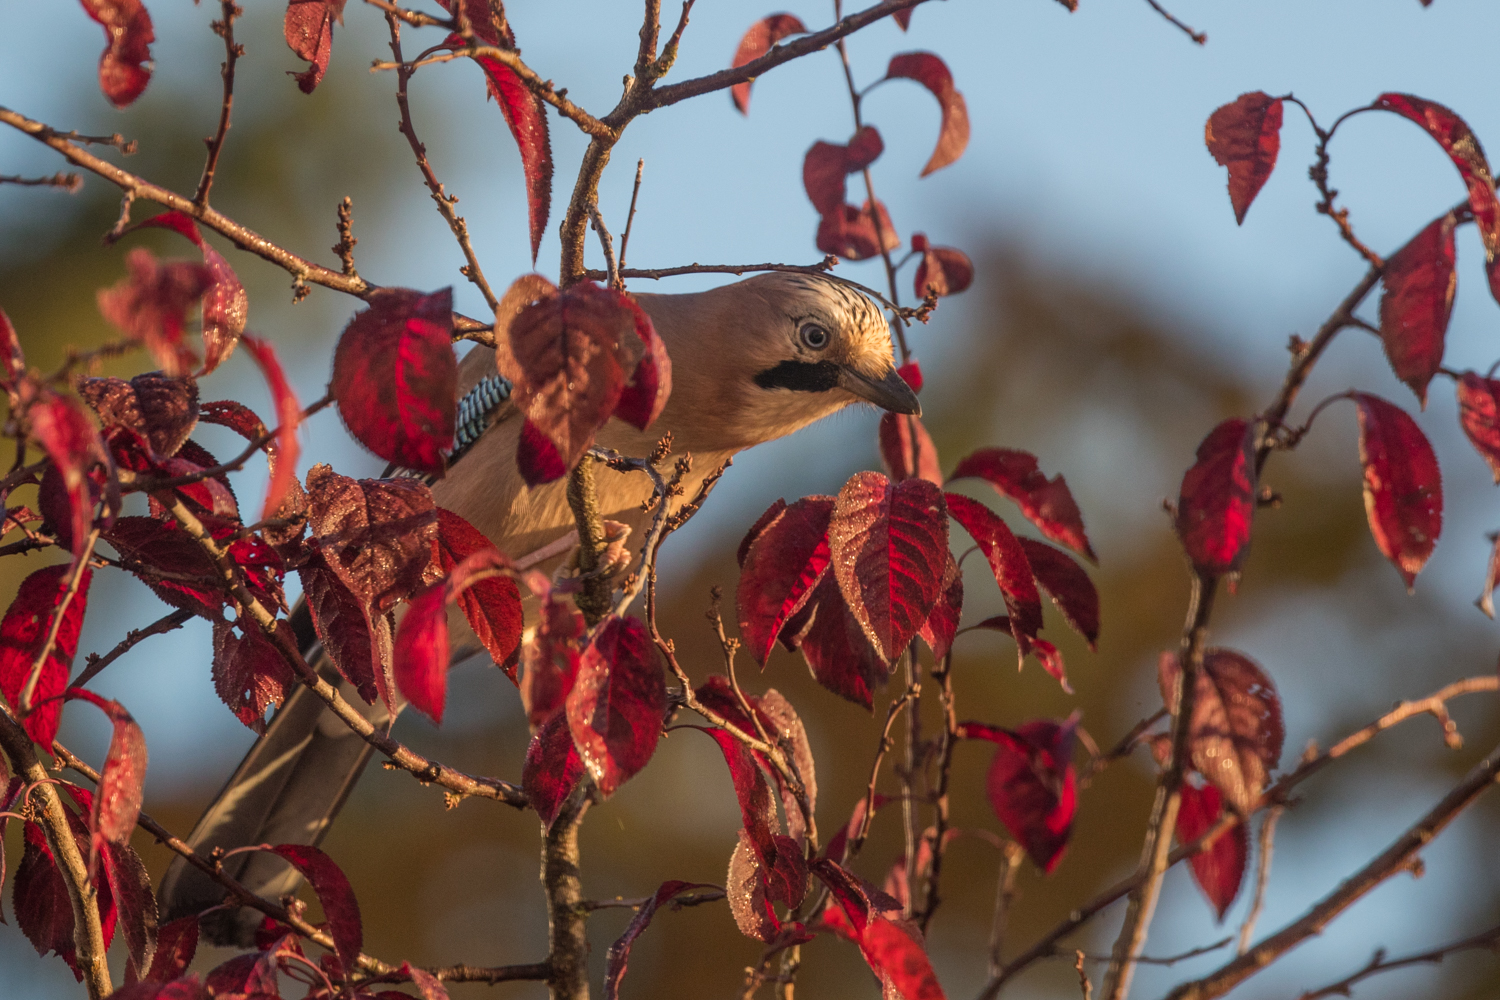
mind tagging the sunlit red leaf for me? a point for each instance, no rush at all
(826, 165)
(334, 894)
(23, 632)
(551, 660)
(1479, 415)
(1031, 784)
(838, 652)
(1217, 501)
(942, 623)
(526, 115)
(650, 385)
(568, 357)
(745, 889)
(942, 270)
(616, 706)
(308, 28)
(1236, 732)
(931, 72)
(1007, 559)
(895, 954)
(288, 417)
(420, 657)
(757, 813)
(12, 358)
(1220, 870)
(757, 42)
(911, 374)
(395, 378)
(787, 556)
(551, 769)
(907, 450)
(148, 543)
(850, 232)
(1068, 585)
(163, 409)
(1245, 136)
(176, 944)
(124, 66)
(151, 306)
(1419, 285)
(1047, 503)
(375, 533)
(117, 801)
(249, 673)
(40, 897)
(1402, 485)
(783, 727)
(619, 952)
(68, 436)
(492, 605)
(888, 543)
(225, 304)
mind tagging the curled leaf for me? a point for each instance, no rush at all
(1031, 783)
(757, 42)
(1479, 415)
(308, 27)
(931, 72)
(125, 64)
(1046, 503)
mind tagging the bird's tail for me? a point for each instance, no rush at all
(287, 790)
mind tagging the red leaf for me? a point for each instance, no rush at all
(1403, 488)
(745, 888)
(757, 814)
(1007, 561)
(68, 436)
(788, 555)
(1069, 587)
(1459, 142)
(839, 654)
(567, 356)
(12, 359)
(783, 726)
(122, 780)
(648, 388)
(342, 626)
(395, 378)
(907, 450)
(931, 72)
(552, 768)
(335, 896)
(421, 652)
(1031, 784)
(551, 659)
(1220, 870)
(537, 457)
(1236, 733)
(151, 305)
(187, 988)
(124, 66)
(40, 897)
(942, 624)
(283, 455)
(135, 904)
(23, 632)
(849, 232)
(225, 304)
(164, 410)
(827, 164)
(526, 115)
(430, 986)
(1216, 504)
(757, 42)
(896, 955)
(375, 533)
(1479, 415)
(1245, 136)
(148, 543)
(1048, 504)
(250, 674)
(308, 28)
(943, 271)
(903, 18)
(771, 513)
(888, 542)
(1419, 285)
(616, 706)
(176, 944)
(911, 374)
(619, 952)
(492, 606)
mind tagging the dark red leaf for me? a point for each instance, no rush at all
(12, 359)
(619, 952)
(1008, 562)
(1459, 142)
(283, 457)
(827, 164)
(850, 232)
(147, 543)
(395, 378)
(931, 72)
(135, 904)
(888, 543)
(23, 632)
(648, 388)
(551, 659)
(1236, 733)
(117, 801)
(1479, 415)
(40, 897)
(942, 624)
(250, 674)
(907, 450)
(1403, 487)
(780, 566)
(745, 888)
(342, 626)
(757, 42)
(375, 533)
(617, 703)
(783, 726)
(757, 813)
(492, 606)
(537, 457)
(67, 435)
(552, 768)
(163, 410)
(1245, 136)
(308, 27)
(1068, 585)
(526, 115)
(942, 270)
(335, 896)
(1418, 299)
(176, 944)
(1216, 504)
(839, 654)
(151, 306)
(1048, 504)
(1031, 784)
(225, 304)
(1220, 870)
(903, 18)
(124, 66)
(187, 988)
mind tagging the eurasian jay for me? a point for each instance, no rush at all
(751, 362)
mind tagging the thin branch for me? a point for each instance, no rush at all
(853, 844)
(947, 742)
(1262, 875)
(822, 267)
(70, 183)
(415, 18)
(1488, 940)
(1165, 960)
(344, 248)
(1395, 859)
(232, 52)
(1083, 977)
(1005, 896)
(607, 244)
(677, 902)
(635, 192)
(95, 663)
(1201, 37)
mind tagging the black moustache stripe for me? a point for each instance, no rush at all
(800, 376)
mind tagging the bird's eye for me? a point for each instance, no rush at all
(814, 336)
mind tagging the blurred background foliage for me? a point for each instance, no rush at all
(1110, 378)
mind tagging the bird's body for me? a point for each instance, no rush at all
(751, 362)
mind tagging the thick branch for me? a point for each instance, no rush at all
(568, 951)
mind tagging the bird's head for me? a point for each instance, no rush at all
(760, 358)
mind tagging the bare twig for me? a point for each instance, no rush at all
(344, 248)
(1083, 977)
(1005, 895)
(822, 267)
(1201, 37)
(415, 18)
(1167, 960)
(898, 704)
(95, 663)
(1318, 173)
(1262, 875)
(1488, 940)
(947, 741)
(232, 52)
(70, 183)
(677, 902)
(635, 192)
(607, 244)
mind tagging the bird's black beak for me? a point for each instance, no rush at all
(889, 393)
